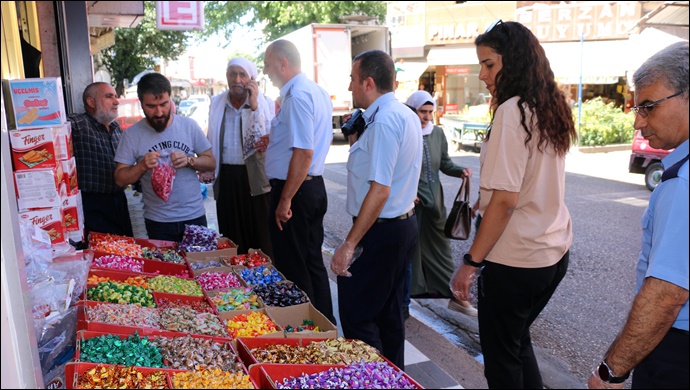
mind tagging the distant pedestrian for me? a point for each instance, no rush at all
(524, 238)
(383, 173)
(654, 339)
(96, 136)
(301, 134)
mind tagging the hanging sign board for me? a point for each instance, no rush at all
(180, 15)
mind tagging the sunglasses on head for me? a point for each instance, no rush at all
(645, 109)
(492, 25)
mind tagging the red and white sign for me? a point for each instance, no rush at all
(180, 15)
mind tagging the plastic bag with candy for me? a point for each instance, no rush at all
(163, 176)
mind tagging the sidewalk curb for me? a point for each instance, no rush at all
(604, 148)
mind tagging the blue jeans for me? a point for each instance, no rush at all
(170, 231)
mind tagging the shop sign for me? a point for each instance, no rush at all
(179, 15)
(458, 32)
(451, 107)
(568, 22)
(457, 70)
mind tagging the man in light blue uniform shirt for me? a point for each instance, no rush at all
(383, 171)
(654, 340)
(301, 134)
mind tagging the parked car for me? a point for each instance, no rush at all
(199, 112)
(647, 160)
(200, 98)
(184, 106)
(128, 112)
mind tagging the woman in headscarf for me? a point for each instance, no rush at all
(432, 264)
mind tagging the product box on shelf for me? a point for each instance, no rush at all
(295, 316)
(69, 175)
(40, 188)
(35, 148)
(73, 212)
(65, 141)
(36, 102)
(212, 294)
(49, 220)
(196, 264)
(190, 300)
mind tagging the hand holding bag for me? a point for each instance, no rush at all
(459, 222)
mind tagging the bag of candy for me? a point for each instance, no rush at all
(163, 176)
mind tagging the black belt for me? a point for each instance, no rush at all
(680, 331)
(399, 217)
(280, 181)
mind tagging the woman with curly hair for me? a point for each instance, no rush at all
(523, 242)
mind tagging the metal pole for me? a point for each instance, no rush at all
(579, 89)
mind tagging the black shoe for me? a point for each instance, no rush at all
(406, 312)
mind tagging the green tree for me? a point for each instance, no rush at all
(139, 48)
(283, 17)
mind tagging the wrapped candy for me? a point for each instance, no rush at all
(163, 175)
(198, 239)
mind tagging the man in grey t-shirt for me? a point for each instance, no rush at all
(139, 151)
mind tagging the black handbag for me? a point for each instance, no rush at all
(459, 221)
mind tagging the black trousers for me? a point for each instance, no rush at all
(297, 248)
(241, 217)
(171, 231)
(370, 301)
(510, 299)
(106, 213)
(667, 366)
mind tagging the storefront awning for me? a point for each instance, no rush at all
(599, 62)
(410, 71)
(452, 56)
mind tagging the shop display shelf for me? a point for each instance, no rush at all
(151, 267)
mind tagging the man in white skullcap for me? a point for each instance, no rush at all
(237, 118)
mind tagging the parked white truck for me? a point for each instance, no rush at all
(327, 51)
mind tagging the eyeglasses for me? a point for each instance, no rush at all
(644, 110)
(494, 24)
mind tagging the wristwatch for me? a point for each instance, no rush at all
(467, 259)
(608, 376)
(190, 161)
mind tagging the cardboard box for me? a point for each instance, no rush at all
(73, 212)
(226, 316)
(245, 345)
(295, 315)
(65, 141)
(41, 188)
(215, 255)
(35, 148)
(251, 251)
(36, 102)
(49, 220)
(210, 294)
(69, 175)
(269, 267)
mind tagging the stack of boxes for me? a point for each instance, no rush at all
(45, 173)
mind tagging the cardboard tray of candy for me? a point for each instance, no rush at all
(74, 370)
(99, 275)
(266, 375)
(153, 267)
(241, 259)
(221, 342)
(246, 345)
(144, 328)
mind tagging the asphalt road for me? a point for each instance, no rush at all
(591, 304)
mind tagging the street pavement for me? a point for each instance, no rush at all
(442, 346)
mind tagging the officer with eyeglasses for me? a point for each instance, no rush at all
(654, 339)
